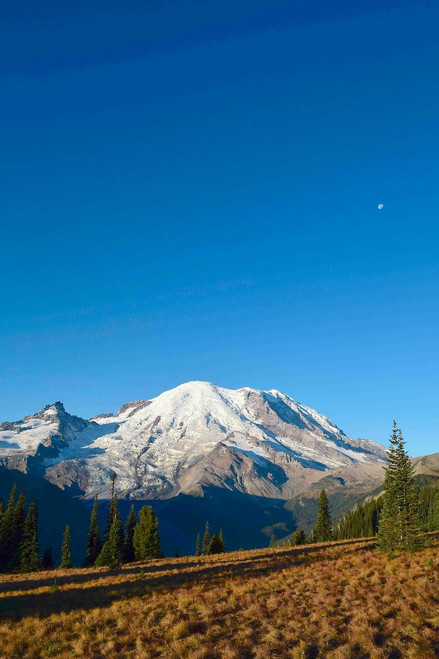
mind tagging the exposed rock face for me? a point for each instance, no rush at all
(26, 444)
(256, 442)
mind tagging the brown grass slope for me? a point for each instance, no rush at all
(342, 600)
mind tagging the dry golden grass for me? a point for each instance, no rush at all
(344, 600)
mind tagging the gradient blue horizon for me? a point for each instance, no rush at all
(190, 191)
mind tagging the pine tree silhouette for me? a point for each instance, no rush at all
(206, 538)
(323, 527)
(7, 531)
(399, 522)
(128, 549)
(94, 543)
(66, 559)
(29, 558)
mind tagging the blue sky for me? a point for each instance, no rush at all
(190, 190)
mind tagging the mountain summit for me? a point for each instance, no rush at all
(199, 434)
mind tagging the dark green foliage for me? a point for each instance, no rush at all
(146, 539)
(128, 548)
(298, 537)
(221, 537)
(112, 551)
(66, 559)
(272, 541)
(399, 522)
(362, 522)
(47, 561)
(29, 558)
(19, 523)
(323, 527)
(206, 539)
(56, 508)
(216, 546)
(94, 543)
(7, 531)
(429, 507)
(115, 544)
(198, 546)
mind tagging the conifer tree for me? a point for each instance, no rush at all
(206, 538)
(29, 558)
(146, 538)
(115, 543)
(110, 548)
(272, 541)
(198, 546)
(47, 561)
(18, 526)
(399, 523)
(128, 550)
(323, 527)
(221, 537)
(94, 544)
(7, 531)
(216, 546)
(298, 538)
(66, 559)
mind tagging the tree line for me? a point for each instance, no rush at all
(211, 544)
(138, 539)
(397, 518)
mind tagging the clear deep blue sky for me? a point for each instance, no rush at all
(189, 191)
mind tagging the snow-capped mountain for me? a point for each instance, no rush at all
(256, 442)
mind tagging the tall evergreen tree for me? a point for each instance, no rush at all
(94, 544)
(115, 543)
(272, 543)
(128, 549)
(399, 523)
(112, 544)
(323, 527)
(198, 546)
(66, 559)
(221, 537)
(29, 559)
(206, 538)
(19, 524)
(7, 531)
(146, 538)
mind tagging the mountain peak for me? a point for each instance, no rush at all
(198, 434)
(57, 406)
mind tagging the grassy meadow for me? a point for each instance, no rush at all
(340, 600)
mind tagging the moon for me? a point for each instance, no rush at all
(380, 207)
